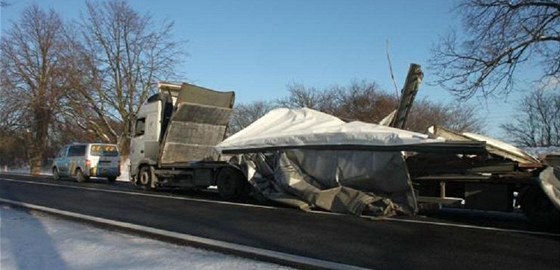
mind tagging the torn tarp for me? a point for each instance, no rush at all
(357, 182)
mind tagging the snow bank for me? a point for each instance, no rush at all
(32, 240)
(22, 170)
(125, 167)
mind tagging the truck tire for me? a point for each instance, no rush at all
(144, 178)
(80, 177)
(231, 183)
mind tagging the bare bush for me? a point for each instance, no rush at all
(364, 102)
(539, 121)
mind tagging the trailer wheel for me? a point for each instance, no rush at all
(231, 183)
(538, 208)
(144, 178)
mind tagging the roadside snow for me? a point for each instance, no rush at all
(33, 240)
(125, 174)
(124, 177)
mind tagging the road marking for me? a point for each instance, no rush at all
(436, 223)
(137, 193)
(464, 226)
(232, 248)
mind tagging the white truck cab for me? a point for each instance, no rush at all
(174, 137)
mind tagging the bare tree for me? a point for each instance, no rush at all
(359, 101)
(539, 121)
(32, 78)
(365, 102)
(245, 114)
(455, 116)
(126, 53)
(301, 96)
(499, 36)
(362, 101)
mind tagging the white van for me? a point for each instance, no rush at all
(85, 160)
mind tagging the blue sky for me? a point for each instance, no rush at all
(257, 48)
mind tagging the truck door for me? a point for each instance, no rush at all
(137, 145)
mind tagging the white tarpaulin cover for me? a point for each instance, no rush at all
(522, 155)
(293, 128)
(356, 178)
(493, 146)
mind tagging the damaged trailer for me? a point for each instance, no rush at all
(305, 158)
(502, 178)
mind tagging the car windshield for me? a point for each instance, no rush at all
(104, 150)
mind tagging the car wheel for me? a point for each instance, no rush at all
(55, 174)
(112, 179)
(80, 177)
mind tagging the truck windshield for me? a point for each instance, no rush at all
(104, 150)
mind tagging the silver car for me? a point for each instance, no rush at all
(84, 160)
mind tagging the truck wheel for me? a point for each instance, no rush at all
(144, 177)
(80, 177)
(231, 183)
(55, 174)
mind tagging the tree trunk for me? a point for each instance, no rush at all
(124, 145)
(124, 149)
(38, 143)
(35, 160)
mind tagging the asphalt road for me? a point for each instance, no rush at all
(378, 244)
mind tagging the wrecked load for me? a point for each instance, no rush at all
(503, 178)
(305, 158)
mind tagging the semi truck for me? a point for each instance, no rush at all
(174, 134)
(177, 129)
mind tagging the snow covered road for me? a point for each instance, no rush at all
(33, 240)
